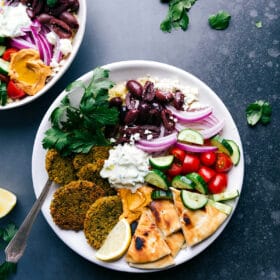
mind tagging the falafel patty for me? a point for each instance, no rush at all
(71, 202)
(100, 219)
(96, 154)
(60, 169)
(91, 172)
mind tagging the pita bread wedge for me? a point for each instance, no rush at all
(161, 263)
(166, 216)
(147, 244)
(197, 225)
(175, 242)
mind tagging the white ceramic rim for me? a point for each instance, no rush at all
(117, 69)
(77, 40)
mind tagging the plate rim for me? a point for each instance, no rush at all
(162, 67)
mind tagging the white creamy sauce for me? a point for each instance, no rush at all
(12, 20)
(126, 167)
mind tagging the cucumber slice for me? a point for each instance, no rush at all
(193, 200)
(227, 195)
(161, 194)
(222, 144)
(190, 136)
(157, 178)
(4, 66)
(225, 208)
(182, 182)
(200, 184)
(161, 163)
(235, 156)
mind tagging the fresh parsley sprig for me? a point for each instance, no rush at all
(220, 20)
(78, 129)
(177, 16)
(6, 235)
(259, 111)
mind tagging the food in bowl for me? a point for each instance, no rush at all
(180, 197)
(36, 40)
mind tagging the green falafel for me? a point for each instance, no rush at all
(71, 202)
(100, 219)
(60, 169)
(90, 172)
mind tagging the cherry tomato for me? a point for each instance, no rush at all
(14, 91)
(178, 154)
(174, 170)
(223, 163)
(7, 53)
(206, 173)
(218, 183)
(191, 163)
(208, 158)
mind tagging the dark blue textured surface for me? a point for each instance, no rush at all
(241, 64)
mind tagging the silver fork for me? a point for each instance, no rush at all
(17, 245)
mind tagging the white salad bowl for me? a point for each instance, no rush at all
(77, 40)
(123, 71)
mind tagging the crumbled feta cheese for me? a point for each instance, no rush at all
(52, 37)
(65, 46)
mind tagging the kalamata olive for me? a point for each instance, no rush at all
(135, 88)
(44, 18)
(131, 102)
(155, 117)
(70, 19)
(144, 109)
(167, 119)
(148, 91)
(37, 6)
(131, 116)
(163, 97)
(178, 101)
(115, 102)
(122, 114)
(62, 29)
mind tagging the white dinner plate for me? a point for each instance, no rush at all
(122, 71)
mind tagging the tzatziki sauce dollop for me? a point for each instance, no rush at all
(126, 167)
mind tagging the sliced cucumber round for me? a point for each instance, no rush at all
(226, 195)
(225, 208)
(161, 163)
(161, 194)
(200, 184)
(182, 182)
(190, 136)
(157, 178)
(222, 144)
(235, 156)
(193, 200)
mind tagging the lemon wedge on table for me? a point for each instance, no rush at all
(116, 243)
(8, 201)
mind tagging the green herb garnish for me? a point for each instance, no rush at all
(3, 93)
(258, 111)
(220, 20)
(6, 235)
(78, 129)
(177, 16)
(51, 3)
(258, 24)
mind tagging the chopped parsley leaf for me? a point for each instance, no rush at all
(259, 111)
(219, 21)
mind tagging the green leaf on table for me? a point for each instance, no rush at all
(6, 269)
(258, 24)
(219, 21)
(260, 110)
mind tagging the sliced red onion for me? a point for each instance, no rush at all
(186, 116)
(161, 141)
(194, 148)
(211, 131)
(46, 47)
(155, 149)
(20, 43)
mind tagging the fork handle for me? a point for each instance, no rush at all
(17, 245)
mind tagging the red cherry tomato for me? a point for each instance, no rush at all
(7, 53)
(14, 91)
(178, 154)
(174, 170)
(223, 163)
(208, 158)
(191, 163)
(218, 183)
(206, 173)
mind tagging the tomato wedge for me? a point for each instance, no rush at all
(206, 173)
(14, 91)
(223, 163)
(7, 54)
(218, 183)
(191, 163)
